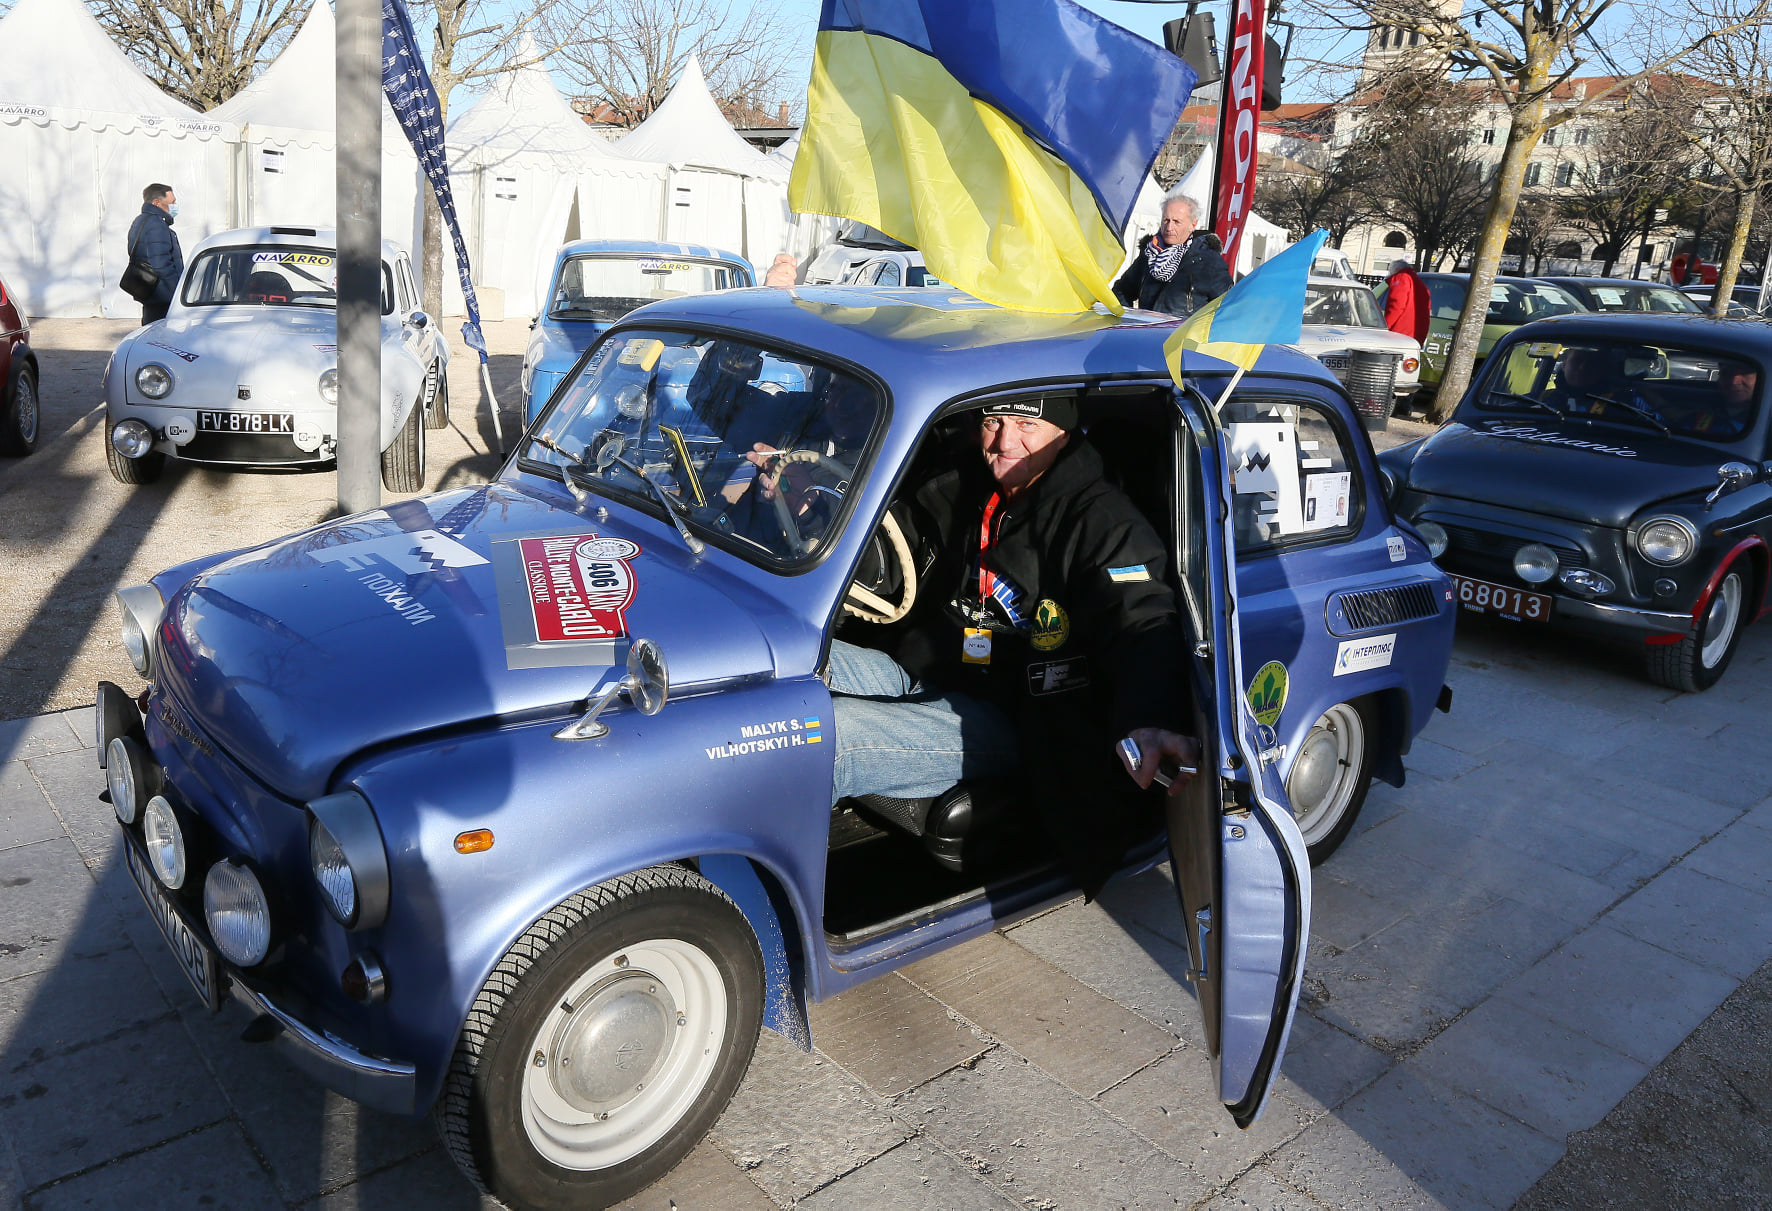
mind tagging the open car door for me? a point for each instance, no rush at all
(1241, 869)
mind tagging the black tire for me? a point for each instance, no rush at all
(143, 470)
(21, 415)
(403, 462)
(1698, 660)
(495, 1101)
(437, 408)
(1329, 778)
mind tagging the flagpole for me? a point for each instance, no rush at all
(357, 196)
(1226, 393)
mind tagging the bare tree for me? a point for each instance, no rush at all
(1534, 233)
(1413, 151)
(632, 51)
(201, 51)
(1639, 167)
(1524, 53)
(1301, 202)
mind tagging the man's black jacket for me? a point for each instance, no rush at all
(1200, 278)
(152, 238)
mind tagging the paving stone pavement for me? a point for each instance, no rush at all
(1574, 878)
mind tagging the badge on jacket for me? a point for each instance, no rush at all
(1052, 626)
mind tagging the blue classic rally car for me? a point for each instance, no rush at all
(596, 282)
(516, 801)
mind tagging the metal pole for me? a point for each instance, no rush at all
(358, 198)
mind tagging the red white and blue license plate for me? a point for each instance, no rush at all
(246, 422)
(1515, 605)
(191, 951)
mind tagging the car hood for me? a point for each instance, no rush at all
(560, 343)
(275, 353)
(363, 631)
(1599, 474)
(1318, 339)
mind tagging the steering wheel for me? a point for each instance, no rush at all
(784, 515)
(869, 606)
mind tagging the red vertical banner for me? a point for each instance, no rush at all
(1239, 121)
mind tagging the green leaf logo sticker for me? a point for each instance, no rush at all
(1267, 693)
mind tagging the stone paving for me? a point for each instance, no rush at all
(1573, 880)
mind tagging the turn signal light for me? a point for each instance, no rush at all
(477, 841)
(1410, 365)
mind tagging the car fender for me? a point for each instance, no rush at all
(402, 383)
(1755, 551)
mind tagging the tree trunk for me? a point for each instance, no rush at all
(1731, 268)
(1523, 134)
(433, 254)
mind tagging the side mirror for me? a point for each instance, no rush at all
(419, 320)
(647, 685)
(1730, 477)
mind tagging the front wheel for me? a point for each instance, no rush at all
(605, 1043)
(19, 416)
(1697, 661)
(437, 396)
(143, 470)
(1329, 779)
(403, 462)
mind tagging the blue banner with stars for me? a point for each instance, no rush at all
(407, 86)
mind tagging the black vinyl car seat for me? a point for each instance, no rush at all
(956, 826)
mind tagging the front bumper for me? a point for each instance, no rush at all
(1628, 618)
(175, 433)
(377, 1083)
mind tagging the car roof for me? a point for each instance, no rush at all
(1329, 279)
(1743, 335)
(291, 235)
(930, 345)
(648, 248)
(1567, 282)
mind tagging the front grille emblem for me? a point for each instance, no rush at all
(244, 393)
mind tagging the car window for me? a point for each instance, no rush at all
(1447, 297)
(408, 291)
(262, 275)
(756, 448)
(917, 275)
(867, 275)
(1685, 392)
(1641, 298)
(1291, 474)
(604, 287)
(387, 289)
(1351, 306)
(1522, 302)
(888, 275)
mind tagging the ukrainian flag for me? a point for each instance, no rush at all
(1005, 139)
(1265, 308)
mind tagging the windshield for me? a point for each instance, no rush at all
(602, 289)
(1641, 298)
(1680, 391)
(1521, 302)
(1348, 305)
(758, 447)
(264, 275)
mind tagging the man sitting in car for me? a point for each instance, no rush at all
(1044, 631)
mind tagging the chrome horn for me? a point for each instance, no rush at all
(647, 685)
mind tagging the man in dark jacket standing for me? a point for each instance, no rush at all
(1045, 631)
(152, 238)
(1178, 270)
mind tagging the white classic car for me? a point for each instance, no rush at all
(1343, 317)
(243, 371)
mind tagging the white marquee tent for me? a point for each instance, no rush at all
(82, 131)
(723, 191)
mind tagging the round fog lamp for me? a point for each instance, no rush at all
(238, 915)
(332, 871)
(1535, 563)
(329, 386)
(131, 438)
(165, 841)
(1665, 541)
(124, 770)
(1435, 537)
(154, 381)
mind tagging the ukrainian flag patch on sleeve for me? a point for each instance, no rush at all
(1131, 575)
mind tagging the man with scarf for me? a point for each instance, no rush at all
(1177, 270)
(1045, 631)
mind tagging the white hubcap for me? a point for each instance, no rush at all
(1720, 620)
(624, 1054)
(1325, 777)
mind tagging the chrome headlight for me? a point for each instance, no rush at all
(1535, 563)
(1435, 537)
(165, 841)
(329, 386)
(141, 606)
(1667, 540)
(127, 774)
(350, 862)
(154, 381)
(131, 438)
(238, 915)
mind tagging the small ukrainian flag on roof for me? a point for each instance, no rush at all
(1265, 308)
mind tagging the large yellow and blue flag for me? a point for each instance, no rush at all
(1005, 139)
(1265, 308)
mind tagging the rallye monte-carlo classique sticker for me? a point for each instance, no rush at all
(563, 598)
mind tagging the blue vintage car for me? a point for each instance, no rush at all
(516, 801)
(596, 282)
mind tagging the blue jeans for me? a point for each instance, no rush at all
(896, 738)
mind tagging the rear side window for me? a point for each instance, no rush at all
(1292, 476)
(1447, 298)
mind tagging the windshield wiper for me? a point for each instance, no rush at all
(574, 462)
(1633, 408)
(1527, 399)
(674, 509)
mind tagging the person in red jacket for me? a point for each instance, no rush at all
(1405, 301)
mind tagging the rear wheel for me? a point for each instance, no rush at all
(1697, 661)
(403, 462)
(143, 470)
(605, 1043)
(437, 396)
(1329, 780)
(19, 416)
